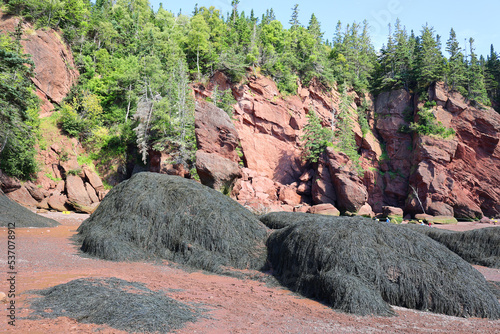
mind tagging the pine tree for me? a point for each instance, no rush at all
(476, 88)
(429, 59)
(492, 75)
(314, 28)
(456, 67)
(294, 20)
(316, 137)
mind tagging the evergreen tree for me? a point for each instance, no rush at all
(492, 76)
(429, 60)
(456, 67)
(316, 137)
(294, 20)
(476, 88)
(314, 28)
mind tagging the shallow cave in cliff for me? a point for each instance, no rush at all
(361, 266)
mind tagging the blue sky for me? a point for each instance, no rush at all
(477, 19)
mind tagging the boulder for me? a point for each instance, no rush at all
(288, 195)
(93, 179)
(216, 171)
(8, 184)
(439, 209)
(486, 220)
(442, 220)
(308, 175)
(23, 197)
(85, 208)
(439, 93)
(34, 191)
(77, 194)
(324, 209)
(58, 201)
(265, 186)
(322, 190)
(215, 132)
(91, 192)
(43, 204)
(349, 188)
(456, 104)
(391, 211)
(366, 211)
(304, 188)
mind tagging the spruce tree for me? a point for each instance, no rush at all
(429, 59)
(492, 75)
(475, 76)
(294, 20)
(455, 71)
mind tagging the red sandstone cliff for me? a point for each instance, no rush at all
(55, 71)
(452, 177)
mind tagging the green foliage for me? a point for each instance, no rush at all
(362, 120)
(427, 123)
(346, 141)
(19, 121)
(74, 171)
(224, 99)
(316, 138)
(50, 176)
(136, 66)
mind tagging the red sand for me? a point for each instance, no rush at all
(47, 257)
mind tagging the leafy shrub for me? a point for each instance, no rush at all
(316, 138)
(70, 121)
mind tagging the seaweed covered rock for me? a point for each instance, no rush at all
(279, 220)
(161, 216)
(123, 305)
(480, 246)
(11, 212)
(361, 266)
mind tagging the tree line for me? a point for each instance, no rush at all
(136, 65)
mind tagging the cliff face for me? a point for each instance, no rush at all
(62, 184)
(55, 71)
(452, 177)
(269, 129)
(258, 156)
(459, 177)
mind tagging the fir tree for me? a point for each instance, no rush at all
(294, 20)
(475, 76)
(456, 67)
(429, 58)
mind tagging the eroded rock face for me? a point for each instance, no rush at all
(458, 176)
(55, 70)
(216, 171)
(349, 188)
(215, 132)
(392, 109)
